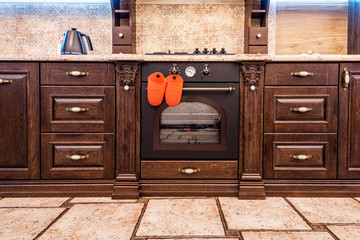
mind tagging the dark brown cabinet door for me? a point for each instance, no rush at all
(349, 121)
(19, 117)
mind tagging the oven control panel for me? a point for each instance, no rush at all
(195, 71)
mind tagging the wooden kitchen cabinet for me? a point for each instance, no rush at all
(19, 121)
(300, 121)
(77, 121)
(349, 121)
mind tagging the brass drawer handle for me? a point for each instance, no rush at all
(77, 157)
(77, 109)
(346, 78)
(3, 81)
(302, 74)
(301, 157)
(301, 109)
(77, 73)
(189, 170)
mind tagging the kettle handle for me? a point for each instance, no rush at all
(88, 41)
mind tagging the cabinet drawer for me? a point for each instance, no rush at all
(300, 156)
(189, 169)
(77, 156)
(122, 35)
(122, 49)
(77, 74)
(258, 49)
(300, 109)
(258, 36)
(301, 74)
(77, 109)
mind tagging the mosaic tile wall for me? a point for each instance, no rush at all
(38, 28)
(182, 27)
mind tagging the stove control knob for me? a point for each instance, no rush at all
(223, 51)
(174, 69)
(205, 51)
(206, 70)
(196, 51)
(214, 51)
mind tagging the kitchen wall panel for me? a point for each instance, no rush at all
(182, 27)
(38, 28)
(310, 25)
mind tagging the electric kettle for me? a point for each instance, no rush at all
(74, 42)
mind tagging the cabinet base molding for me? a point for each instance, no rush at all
(126, 186)
(189, 188)
(312, 188)
(177, 188)
(252, 190)
(49, 188)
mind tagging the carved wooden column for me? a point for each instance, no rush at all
(127, 130)
(252, 84)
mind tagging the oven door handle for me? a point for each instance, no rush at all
(227, 89)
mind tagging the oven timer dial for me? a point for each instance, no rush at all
(190, 71)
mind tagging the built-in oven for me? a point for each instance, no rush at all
(205, 125)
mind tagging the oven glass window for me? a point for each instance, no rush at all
(190, 123)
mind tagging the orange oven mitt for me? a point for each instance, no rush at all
(173, 92)
(156, 88)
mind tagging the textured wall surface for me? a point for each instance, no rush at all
(38, 28)
(182, 27)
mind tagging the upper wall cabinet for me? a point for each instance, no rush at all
(19, 117)
(123, 27)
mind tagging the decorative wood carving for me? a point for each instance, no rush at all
(252, 73)
(127, 122)
(127, 73)
(251, 185)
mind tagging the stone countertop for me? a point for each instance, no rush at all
(181, 58)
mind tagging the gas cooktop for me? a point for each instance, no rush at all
(196, 52)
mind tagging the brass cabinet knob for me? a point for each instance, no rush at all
(302, 74)
(77, 109)
(77, 157)
(346, 78)
(301, 157)
(77, 73)
(189, 170)
(5, 81)
(301, 109)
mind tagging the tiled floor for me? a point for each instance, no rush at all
(180, 218)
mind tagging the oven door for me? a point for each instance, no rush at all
(203, 126)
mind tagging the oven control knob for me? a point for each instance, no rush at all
(174, 70)
(206, 70)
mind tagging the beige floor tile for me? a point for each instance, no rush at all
(192, 239)
(328, 210)
(272, 213)
(32, 202)
(96, 221)
(346, 232)
(25, 223)
(99, 200)
(287, 236)
(181, 217)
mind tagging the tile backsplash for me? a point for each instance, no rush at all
(182, 27)
(38, 28)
